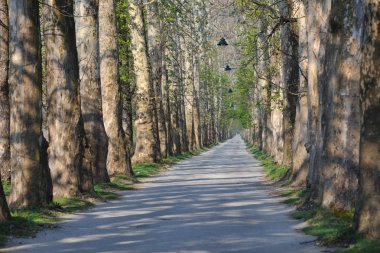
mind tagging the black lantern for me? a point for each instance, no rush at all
(222, 42)
(228, 68)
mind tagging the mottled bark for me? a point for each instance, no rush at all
(313, 15)
(368, 211)
(4, 109)
(63, 103)
(5, 163)
(155, 45)
(176, 127)
(300, 163)
(189, 93)
(145, 141)
(27, 187)
(196, 104)
(128, 118)
(338, 79)
(118, 159)
(264, 89)
(91, 101)
(167, 109)
(290, 77)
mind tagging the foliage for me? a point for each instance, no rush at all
(6, 187)
(243, 90)
(125, 55)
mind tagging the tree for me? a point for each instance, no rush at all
(86, 14)
(4, 107)
(145, 141)
(290, 76)
(126, 71)
(28, 185)
(368, 210)
(5, 165)
(118, 159)
(155, 46)
(63, 103)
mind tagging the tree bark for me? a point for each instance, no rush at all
(64, 117)
(145, 141)
(167, 110)
(28, 183)
(155, 45)
(313, 14)
(300, 163)
(5, 163)
(86, 14)
(368, 211)
(118, 159)
(4, 108)
(290, 77)
(338, 79)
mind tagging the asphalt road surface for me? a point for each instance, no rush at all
(215, 202)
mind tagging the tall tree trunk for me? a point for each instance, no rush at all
(145, 141)
(64, 117)
(4, 108)
(91, 99)
(5, 163)
(264, 88)
(174, 102)
(118, 159)
(155, 45)
(300, 164)
(25, 105)
(368, 211)
(313, 14)
(182, 115)
(196, 106)
(128, 118)
(339, 78)
(290, 77)
(126, 72)
(188, 89)
(168, 110)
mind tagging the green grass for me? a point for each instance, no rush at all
(362, 246)
(295, 196)
(27, 221)
(144, 170)
(331, 227)
(273, 170)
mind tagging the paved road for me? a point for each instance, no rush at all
(214, 202)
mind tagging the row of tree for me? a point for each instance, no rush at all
(308, 93)
(89, 87)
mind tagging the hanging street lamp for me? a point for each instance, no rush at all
(222, 42)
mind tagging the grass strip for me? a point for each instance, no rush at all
(26, 222)
(332, 227)
(273, 170)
